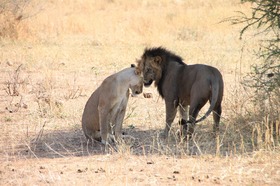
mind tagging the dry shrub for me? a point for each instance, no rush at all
(15, 88)
(247, 129)
(75, 91)
(49, 104)
(12, 15)
(14, 83)
(8, 27)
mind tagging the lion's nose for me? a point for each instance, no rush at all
(137, 92)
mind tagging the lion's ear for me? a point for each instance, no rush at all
(140, 64)
(158, 60)
(138, 61)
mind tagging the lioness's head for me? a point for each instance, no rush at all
(136, 85)
(150, 66)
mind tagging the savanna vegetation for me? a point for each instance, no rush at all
(53, 55)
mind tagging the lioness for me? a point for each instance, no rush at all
(105, 109)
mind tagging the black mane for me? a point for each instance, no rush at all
(164, 53)
(167, 56)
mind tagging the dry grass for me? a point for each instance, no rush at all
(64, 52)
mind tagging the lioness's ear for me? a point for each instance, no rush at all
(158, 60)
(137, 71)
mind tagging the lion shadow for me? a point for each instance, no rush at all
(72, 143)
(59, 143)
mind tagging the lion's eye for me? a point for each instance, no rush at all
(148, 70)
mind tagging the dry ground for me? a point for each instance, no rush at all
(64, 52)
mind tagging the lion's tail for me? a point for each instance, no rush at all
(215, 95)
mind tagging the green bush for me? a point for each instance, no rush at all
(264, 78)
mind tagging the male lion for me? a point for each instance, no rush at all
(182, 85)
(105, 109)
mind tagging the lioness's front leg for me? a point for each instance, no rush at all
(104, 122)
(120, 116)
(119, 123)
(171, 110)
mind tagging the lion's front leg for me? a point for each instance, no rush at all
(171, 110)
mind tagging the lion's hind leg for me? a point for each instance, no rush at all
(217, 116)
(183, 121)
(196, 104)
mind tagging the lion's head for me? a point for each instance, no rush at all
(153, 64)
(151, 69)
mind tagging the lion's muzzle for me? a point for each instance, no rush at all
(148, 83)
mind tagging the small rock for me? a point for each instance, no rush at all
(9, 63)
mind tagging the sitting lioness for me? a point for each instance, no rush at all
(105, 109)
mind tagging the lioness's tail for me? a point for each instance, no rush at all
(215, 85)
